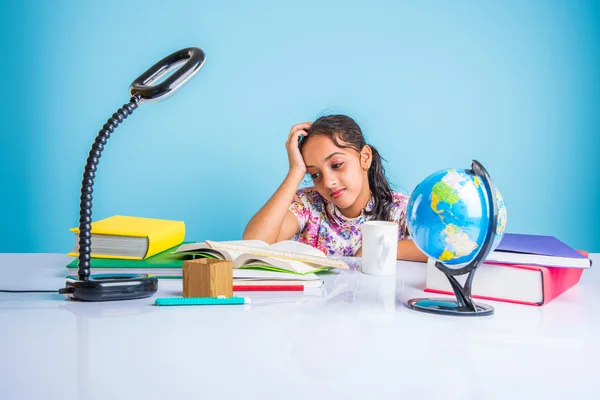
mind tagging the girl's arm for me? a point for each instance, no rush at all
(406, 250)
(274, 222)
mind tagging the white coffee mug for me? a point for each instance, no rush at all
(379, 244)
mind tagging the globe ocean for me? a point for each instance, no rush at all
(448, 216)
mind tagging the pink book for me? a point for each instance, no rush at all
(513, 283)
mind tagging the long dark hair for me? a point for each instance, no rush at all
(344, 132)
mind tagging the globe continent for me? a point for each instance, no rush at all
(448, 216)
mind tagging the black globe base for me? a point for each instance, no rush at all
(109, 287)
(449, 307)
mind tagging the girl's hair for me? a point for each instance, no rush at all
(344, 132)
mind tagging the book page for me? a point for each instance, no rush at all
(297, 247)
(223, 254)
(307, 253)
(249, 260)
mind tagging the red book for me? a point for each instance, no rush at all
(522, 284)
(268, 288)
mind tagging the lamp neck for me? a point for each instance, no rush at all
(87, 185)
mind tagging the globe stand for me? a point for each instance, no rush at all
(464, 305)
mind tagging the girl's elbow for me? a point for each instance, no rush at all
(248, 233)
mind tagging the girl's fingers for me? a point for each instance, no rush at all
(303, 125)
(300, 127)
(293, 138)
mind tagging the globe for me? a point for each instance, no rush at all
(448, 216)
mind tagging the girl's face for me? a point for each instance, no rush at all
(340, 175)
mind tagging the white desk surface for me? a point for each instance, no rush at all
(356, 341)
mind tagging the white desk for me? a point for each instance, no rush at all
(357, 342)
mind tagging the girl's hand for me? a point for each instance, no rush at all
(294, 156)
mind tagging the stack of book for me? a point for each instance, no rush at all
(134, 245)
(131, 238)
(524, 269)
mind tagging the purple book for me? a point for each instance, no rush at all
(516, 248)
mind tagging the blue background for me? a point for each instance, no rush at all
(434, 85)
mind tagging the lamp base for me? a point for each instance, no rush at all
(449, 307)
(107, 287)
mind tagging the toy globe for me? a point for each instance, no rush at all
(456, 217)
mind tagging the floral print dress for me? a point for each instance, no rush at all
(323, 226)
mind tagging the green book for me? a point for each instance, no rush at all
(168, 263)
(286, 256)
(164, 265)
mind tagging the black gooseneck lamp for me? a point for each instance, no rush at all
(183, 64)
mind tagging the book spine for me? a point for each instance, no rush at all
(165, 239)
(556, 281)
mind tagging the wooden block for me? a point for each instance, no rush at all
(206, 277)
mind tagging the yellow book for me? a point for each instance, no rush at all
(131, 238)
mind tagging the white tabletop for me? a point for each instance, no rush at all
(354, 339)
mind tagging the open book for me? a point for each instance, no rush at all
(286, 256)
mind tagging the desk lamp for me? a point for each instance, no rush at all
(183, 64)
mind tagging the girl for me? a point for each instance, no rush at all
(350, 187)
